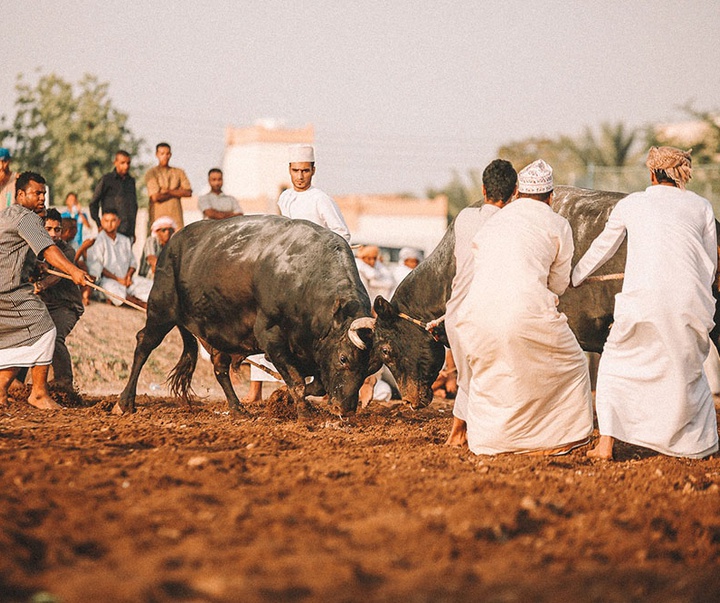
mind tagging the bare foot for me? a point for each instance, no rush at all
(603, 449)
(44, 402)
(458, 434)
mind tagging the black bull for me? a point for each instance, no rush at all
(415, 359)
(244, 285)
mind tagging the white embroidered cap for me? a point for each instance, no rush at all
(302, 153)
(535, 178)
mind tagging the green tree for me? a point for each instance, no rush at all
(67, 132)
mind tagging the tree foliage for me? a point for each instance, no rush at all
(67, 132)
(458, 193)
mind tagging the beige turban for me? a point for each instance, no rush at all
(675, 163)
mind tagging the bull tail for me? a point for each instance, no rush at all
(180, 378)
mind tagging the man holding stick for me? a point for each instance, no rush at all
(27, 332)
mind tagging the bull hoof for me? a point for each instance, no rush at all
(240, 413)
(120, 409)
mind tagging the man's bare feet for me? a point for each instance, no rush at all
(365, 395)
(603, 449)
(458, 434)
(44, 402)
(254, 394)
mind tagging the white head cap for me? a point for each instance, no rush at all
(535, 178)
(407, 253)
(302, 153)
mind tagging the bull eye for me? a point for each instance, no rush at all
(343, 359)
(386, 351)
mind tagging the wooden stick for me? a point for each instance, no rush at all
(269, 371)
(99, 288)
(605, 277)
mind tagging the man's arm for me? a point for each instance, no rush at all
(57, 258)
(214, 214)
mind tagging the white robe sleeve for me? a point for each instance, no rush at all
(601, 250)
(710, 238)
(559, 276)
(330, 214)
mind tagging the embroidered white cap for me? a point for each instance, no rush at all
(535, 178)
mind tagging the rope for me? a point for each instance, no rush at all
(605, 277)
(99, 288)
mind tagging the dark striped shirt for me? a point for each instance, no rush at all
(23, 316)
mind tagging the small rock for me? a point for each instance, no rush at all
(197, 461)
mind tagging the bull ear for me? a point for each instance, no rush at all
(384, 308)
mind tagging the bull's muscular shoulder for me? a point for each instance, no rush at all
(587, 211)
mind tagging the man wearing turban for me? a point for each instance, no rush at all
(651, 388)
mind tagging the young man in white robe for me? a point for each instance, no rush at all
(301, 202)
(651, 389)
(498, 189)
(529, 382)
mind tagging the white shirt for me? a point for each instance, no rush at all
(221, 202)
(115, 256)
(315, 206)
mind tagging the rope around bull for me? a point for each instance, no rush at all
(429, 326)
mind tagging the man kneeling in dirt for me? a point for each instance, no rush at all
(112, 262)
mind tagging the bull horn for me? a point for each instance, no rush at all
(360, 323)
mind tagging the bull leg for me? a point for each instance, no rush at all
(148, 339)
(221, 365)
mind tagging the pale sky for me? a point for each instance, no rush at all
(400, 92)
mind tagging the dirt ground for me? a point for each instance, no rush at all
(178, 504)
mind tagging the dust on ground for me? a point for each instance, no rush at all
(192, 504)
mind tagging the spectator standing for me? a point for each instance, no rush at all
(302, 202)
(116, 191)
(216, 205)
(373, 273)
(306, 202)
(7, 179)
(166, 187)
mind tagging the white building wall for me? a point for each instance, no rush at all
(256, 170)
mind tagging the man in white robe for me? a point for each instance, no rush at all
(529, 382)
(499, 187)
(112, 263)
(651, 388)
(302, 202)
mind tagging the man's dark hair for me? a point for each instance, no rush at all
(213, 170)
(662, 177)
(499, 179)
(125, 153)
(68, 223)
(537, 196)
(161, 144)
(112, 211)
(53, 214)
(26, 178)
